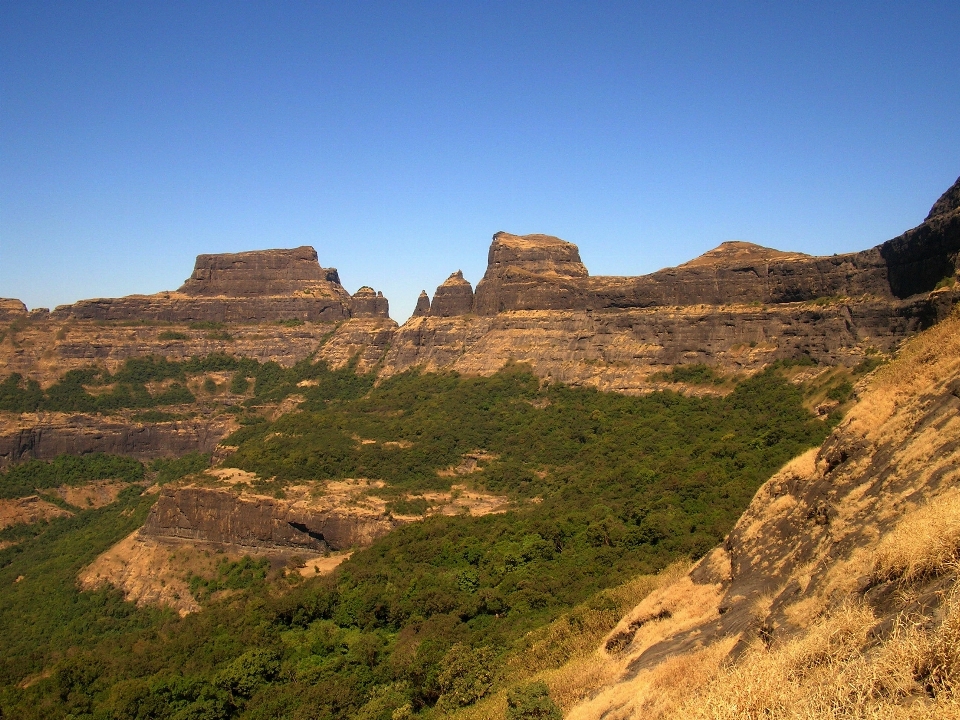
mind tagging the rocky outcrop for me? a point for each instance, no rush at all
(617, 350)
(948, 202)
(423, 305)
(530, 272)
(739, 306)
(367, 302)
(176, 307)
(248, 287)
(453, 297)
(540, 272)
(263, 272)
(44, 436)
(11, 309)
(223, 516)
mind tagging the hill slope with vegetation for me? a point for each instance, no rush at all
(606, 489)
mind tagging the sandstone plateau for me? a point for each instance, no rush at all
(738, 307)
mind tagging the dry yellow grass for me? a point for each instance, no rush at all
(833, 671)
(924, 542)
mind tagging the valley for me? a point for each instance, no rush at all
(259, 496)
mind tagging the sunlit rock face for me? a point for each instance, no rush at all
(11, 309)
(222, 516)
(258, 286)
(453, 297)
(263, 272)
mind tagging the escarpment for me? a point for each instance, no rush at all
(222, 516)
(739, 306)
(44, 436)
(257, 286)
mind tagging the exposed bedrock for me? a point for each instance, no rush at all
(258, 286)
(618, 349)
(36, 437)
(11, 309)
(423, 305)
(174, 307)
(263, 272)
(540, 272)
(453, 297)
(259, 521)
(367, 302)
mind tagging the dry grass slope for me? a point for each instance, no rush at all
(838, 593)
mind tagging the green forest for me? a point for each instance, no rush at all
(604, 488)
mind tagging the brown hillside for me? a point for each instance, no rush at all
(836, 594)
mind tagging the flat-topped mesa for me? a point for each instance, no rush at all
(11, 309)
(367, 302)
(263, 273)
(257, 286)
(530, 272)
(453, 297)
(542, 255)
(423, 305)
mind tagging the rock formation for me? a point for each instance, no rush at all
(423, 305)
(453, 297)
(11, 309)
(259, 286)
(739, 306)
(263, 272)
(259, 521)
(43, 436)
(366, 302)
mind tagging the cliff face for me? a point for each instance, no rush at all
(739, 306)
(259, 286)
(43, 436)
(11, 309)
(453, 297)
(263, 272)
(258, 521)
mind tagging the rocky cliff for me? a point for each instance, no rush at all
(223, 516)
(11, 309)
(739, 306)
(43, 436)
(259, 286)
(453, 297)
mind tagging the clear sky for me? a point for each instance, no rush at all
(397, 137)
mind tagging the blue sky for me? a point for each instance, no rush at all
(397, 137)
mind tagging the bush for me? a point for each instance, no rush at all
(169, 470)
(33, 475)
(466, 675)
(532, 702)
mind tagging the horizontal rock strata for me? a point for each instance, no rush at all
(259, 521)
(11, 309)
(43, 436)
(258, 286)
